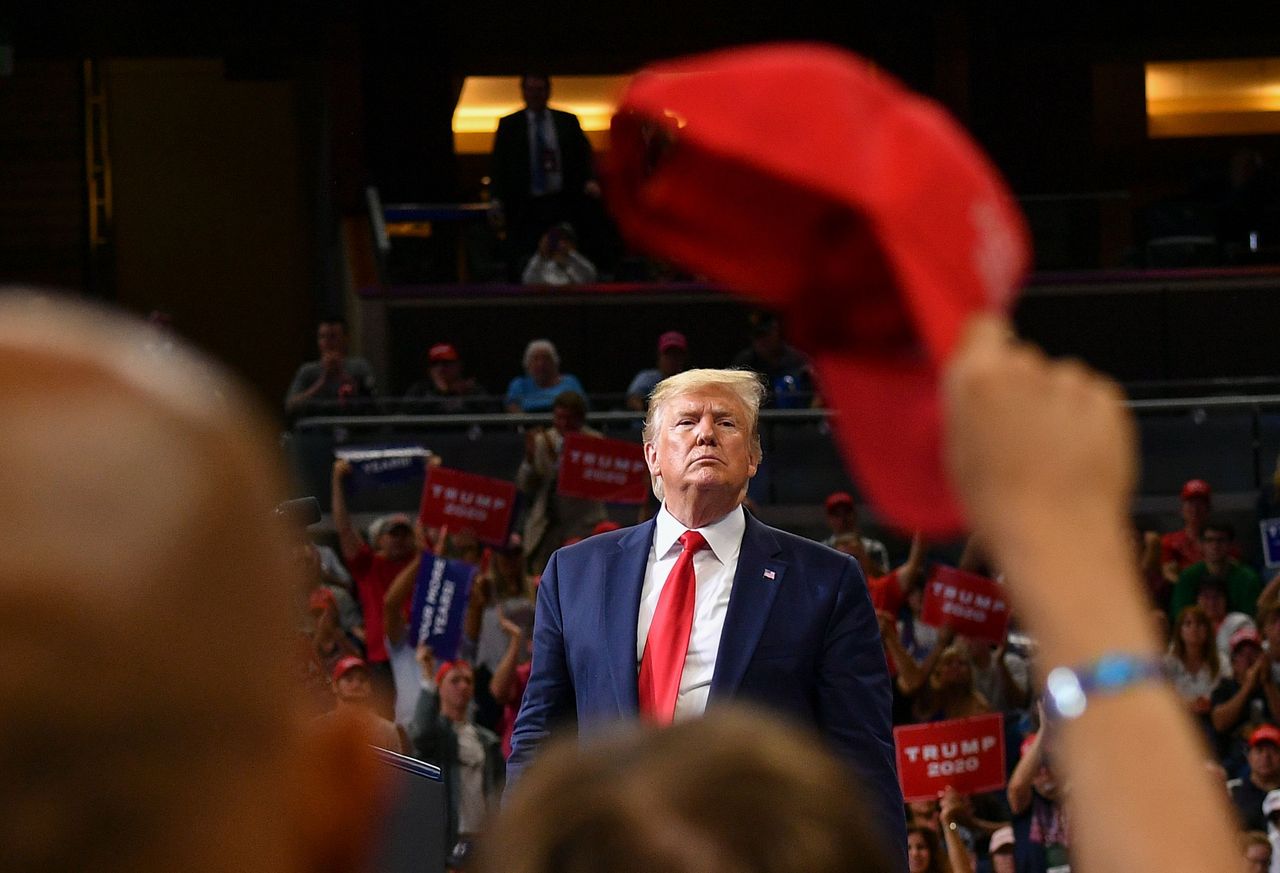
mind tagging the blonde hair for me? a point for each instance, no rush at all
(745, 385)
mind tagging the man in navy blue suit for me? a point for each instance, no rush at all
(772, 618)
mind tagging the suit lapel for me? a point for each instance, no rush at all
(755, 584)
(624, 578)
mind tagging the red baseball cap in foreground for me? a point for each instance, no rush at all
(805, 178)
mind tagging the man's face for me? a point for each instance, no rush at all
(704, 443)
(331, 338)
(1214, 545)
(1264, 761)
(566, 420)
(353, 686)
(672, 361)
(446, 372)
(536, 90)
(841, 518)
(1195, 511)
(458, 687)
(1002, 861)
(397, 543)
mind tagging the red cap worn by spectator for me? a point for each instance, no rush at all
(605, 526)
(346, 665)
(839, 498)
(1246, 634)
(321, 598)
(1196, 488)
(1267, 733)
(801, 176)
(672, 339)
(442, 352)
(444, 670)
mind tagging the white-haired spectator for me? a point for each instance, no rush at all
(542, 381)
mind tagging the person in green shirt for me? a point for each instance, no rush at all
(1242, 583)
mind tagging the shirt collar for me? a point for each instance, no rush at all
(724, 537)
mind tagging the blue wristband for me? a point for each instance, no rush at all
(1069, 689)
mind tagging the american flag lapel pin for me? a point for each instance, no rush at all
(770, 575)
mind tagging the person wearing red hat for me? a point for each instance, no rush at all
(1248, 792)
(1180, 549)
(673, 357)
(1241, 582)
(468, 755)
(353, 693)
(842, 518)
(446, 391)
(1243, 700)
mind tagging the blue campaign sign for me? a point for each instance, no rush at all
(384, 466)
(1270, 528)
(440, 596)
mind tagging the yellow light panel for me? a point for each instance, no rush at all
(485, 99)
(1213, 98)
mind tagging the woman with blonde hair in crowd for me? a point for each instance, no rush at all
(1192, 661)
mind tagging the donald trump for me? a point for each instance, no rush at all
(704, 604)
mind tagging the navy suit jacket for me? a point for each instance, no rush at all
(800, 638)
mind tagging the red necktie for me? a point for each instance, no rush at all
(668, 640)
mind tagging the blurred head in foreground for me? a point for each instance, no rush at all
(150, 717)
(734, 792)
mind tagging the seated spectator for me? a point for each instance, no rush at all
(543, 382)
(1241, 582)
(842, 518)
(785, 370)
(469, 756)
(445, 391)
(949, 692)
(1001, 677)
(1248, 792)
(354, 694)
(1193, 661)
(1211, 597)
(335, 376)
(558, 261)
(328, 641)
(1035, 798)
(551, 517)
(374, 569)
(888, 592)
(673, 357)
(1182, 548)
(924, 853)
(500, 592)
(918, 638)
(1244, 700)
(965, 822)
(1001, 849)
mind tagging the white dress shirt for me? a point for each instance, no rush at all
(714, 568)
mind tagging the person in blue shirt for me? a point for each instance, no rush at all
(542, 382)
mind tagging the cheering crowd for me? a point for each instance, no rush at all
(1220, 623)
